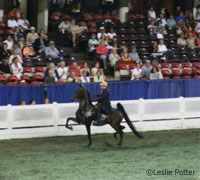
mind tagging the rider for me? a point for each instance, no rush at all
(104, 105)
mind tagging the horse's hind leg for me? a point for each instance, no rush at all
(67, 122)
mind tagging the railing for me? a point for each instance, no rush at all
(49, 120)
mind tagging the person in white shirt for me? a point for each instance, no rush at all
(64, 26)
(155, 74)
(12, 23)
(63, 71)
(162, 19)
(23, 22)
(136, 73)
(162, 48)
(16, 67)
(151, 14)
(84, 77)
(102, 31)
(9, 41)
(14, 55)
(111, 34)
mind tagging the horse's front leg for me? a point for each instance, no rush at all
(88, 125)
(67, 122)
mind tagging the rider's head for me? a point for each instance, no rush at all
(104, 85)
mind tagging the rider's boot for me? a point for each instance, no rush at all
(98, 119)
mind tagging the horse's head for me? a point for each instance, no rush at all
(79, 94)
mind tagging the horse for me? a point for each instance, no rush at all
(87, 113)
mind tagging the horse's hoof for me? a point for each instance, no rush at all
(69, 127)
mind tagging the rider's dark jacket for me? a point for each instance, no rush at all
(104, 102)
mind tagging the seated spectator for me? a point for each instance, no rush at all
(181, 41)
(50, 79)
(63, 71)
(75, 30)
(155, 74)
(101, 32)
(14, 54)
(32, 102)
(190, 30)
(86, 68)
(180, 20)
(162, 48)
(113, 58)
(125, 56)
(134, 55)
(198, 40)
(17, 34)
(18, 49)
(32, 36)
(73, 78)
(151, 14)
(16, 68)
(177, 11)
(151, 27)
(84, 77)
(190, 41)
(9, 41)
(98, 77)
(63, 27)
(111, 34)
(74, 67)
(146, 69)
(46, 100)
(190, 21)
(12, 23)
(162, 19)
(136, 73)
(197, 27)
(5, 67)
(92, 43)
(28, 51)
(4, 52)
(102, 51)
(95, 69)
(51, 67)
(21, 43)
(153, 49)
(22, 102)
(23, 23)
(160, 29)
(41, 43)
(51, 51)
(171, 23)
(105, 39)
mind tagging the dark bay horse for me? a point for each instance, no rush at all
(86, 113)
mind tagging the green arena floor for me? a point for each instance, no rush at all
(65, 158)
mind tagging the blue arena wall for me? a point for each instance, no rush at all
(126, 90)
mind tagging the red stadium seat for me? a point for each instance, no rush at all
(186, 65)
(106, 16)
(176, 77)
(97, 17)
(55, 18)
(166, 77)
(35, 83)
(9, 31)
(59, 82)
(175, 65)
(165, 65)
(196, 65)
(197, 77)
(91, 23)
(196, 71)
(92, 30)
(187, 77)
(176, 72)
(82, 23)
(2, 24)
(39, 69)
(27, 70)
(88, 17)
(11, 83)
(187, 72)
(12, 78)
(166, 72)
(25, 77)
(37, 77)
(2, 78)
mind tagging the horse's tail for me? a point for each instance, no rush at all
(128, 121)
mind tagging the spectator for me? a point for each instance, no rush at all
(12, 23)
(22, 102)
(32, 36)
(23, 23)
(134, 55)
(190, 41)
(86, 68)
(63, 71)
(180, 20)
(63, 27)
(181, 41)
(28, 51)
(16, 68)
(14, 54)
(46, 100)
(5, 67)
(101, 32)
(9, 41)
(153, 49)
(95, 69)
(73, 78)
(162, 48)
(50, 79)
(125, 56)
(32, 102)
(113, 58)
(155, 74)
(40, 43)
(177, 11)
(18, 49)
(171, 23)
(98, 77)
(51, 66)
(190, 30)
(146, 69)
(162, 19)
(17, 34)
(84, 78)
(136, 73)
(51, 51)
(111, 34)
(4, 52)
(190, 21)
(75, 30)
(197, 27)
(102, 51)
(92, 43)
(151, 14)
(74, 67)
(160, 29)
(151, 27)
